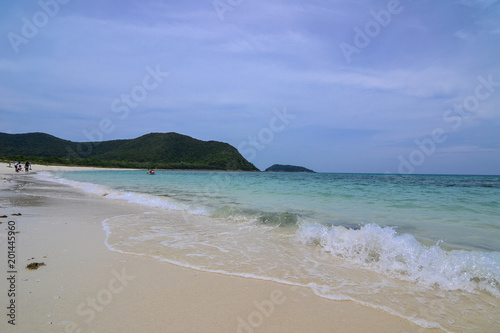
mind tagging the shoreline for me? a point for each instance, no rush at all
(6, 170)
(86, 287)
(57, 167)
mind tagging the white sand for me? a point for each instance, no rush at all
(85, 287)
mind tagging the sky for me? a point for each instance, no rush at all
(373, 86)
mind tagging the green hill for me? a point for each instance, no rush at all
(287, 168)
(154, 150)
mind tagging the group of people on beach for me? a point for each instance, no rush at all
(19, 167)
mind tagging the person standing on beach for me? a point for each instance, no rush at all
(27, 166)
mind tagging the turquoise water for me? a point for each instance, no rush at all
(423, 247)
(461, 211)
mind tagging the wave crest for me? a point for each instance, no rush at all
(401, 256)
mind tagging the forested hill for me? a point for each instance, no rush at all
(287, 168)
(154, 150)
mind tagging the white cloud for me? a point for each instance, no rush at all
(427, 83)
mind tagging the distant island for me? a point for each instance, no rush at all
(287, 168)
(153, 150)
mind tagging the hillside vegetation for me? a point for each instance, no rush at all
(287, 168)
(154, 150)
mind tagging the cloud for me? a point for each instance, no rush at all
(468, 149)
(426, 83)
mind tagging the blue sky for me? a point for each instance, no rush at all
(336, 86)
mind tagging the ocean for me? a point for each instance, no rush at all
(422, 247)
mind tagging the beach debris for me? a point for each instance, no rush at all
(16, 214)
(31, 258)
(3, 217)
(35, 265)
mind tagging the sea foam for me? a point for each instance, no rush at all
(401, 256)
(109, 193)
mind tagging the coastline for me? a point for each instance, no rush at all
(86, 287)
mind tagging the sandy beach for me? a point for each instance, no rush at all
(85, 287)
